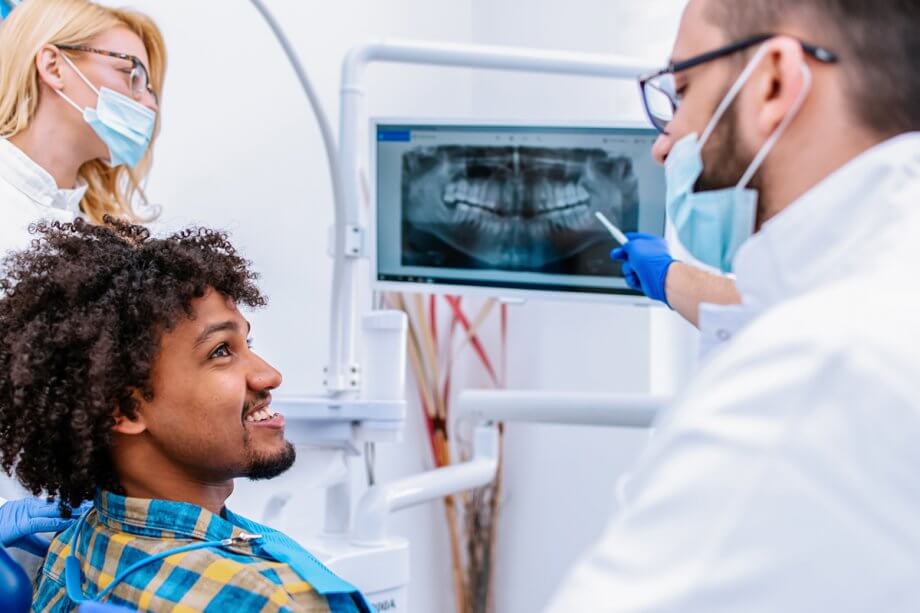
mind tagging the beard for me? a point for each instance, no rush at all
(727, 161)
(270, 466)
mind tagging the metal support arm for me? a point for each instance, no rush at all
(381, 500)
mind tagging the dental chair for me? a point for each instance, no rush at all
(15, 587)
(16, 590)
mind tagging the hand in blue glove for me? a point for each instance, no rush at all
(21, 520)
(645, 263)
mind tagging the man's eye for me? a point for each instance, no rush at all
(222, 351)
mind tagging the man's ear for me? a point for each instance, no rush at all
(126, 425)
(781, 83)
(50, 65)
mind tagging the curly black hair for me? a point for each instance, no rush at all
(82, 311)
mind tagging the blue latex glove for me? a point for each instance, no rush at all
(21, 520)
(645, 264)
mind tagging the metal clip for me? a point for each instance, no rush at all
(241, 539)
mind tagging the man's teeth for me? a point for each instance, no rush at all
(260, 415)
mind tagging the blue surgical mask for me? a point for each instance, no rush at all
(124, 125)
(713, 224)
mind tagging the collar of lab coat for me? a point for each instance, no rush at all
(831, 231)
(36, 183)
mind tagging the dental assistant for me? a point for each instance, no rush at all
(784, 478)
(79, 88)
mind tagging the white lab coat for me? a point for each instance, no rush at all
(786, 477)
(718, 324)
(28, 193)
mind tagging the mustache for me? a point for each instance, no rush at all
(260, 398)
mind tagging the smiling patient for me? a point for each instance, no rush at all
(126, 376)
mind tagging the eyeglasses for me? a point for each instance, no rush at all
(659, 92)
(138, 80)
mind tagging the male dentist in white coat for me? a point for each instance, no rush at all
(787, 477)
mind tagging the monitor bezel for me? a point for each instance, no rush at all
(617, 296)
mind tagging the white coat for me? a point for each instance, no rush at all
(29, 193)
(787, 477)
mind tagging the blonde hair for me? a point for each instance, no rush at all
(35, 23)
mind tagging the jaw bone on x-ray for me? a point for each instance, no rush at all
(515, 208)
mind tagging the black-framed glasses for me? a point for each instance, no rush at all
(138, 79)
(659, 92)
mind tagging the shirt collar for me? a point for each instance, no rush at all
(160, 518)
(36, 183)
(824, 235)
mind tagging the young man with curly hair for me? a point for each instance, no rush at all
(126, 377)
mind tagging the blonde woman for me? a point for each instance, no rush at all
(79, 91)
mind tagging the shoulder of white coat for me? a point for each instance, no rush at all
(822, 356)
(838, 328)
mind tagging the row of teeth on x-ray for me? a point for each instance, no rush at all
(541, 226)
(487, 195)
(515, 208)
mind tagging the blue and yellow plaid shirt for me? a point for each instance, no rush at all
(121, 531)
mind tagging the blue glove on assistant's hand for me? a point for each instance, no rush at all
(21, 520)
(645, 263)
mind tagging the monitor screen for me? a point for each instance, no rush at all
(511, 207)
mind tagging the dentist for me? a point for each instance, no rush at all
(784, 479)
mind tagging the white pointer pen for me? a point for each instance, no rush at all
(617, 233)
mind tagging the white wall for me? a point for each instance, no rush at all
(240, 150)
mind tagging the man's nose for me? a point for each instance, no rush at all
(662, 148)
(263, 376)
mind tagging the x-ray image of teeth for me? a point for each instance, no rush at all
(515, 208)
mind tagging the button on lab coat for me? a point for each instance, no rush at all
(786, 477)
(719, 323)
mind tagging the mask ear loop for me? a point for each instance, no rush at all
(85, 80)
(767, 146)
(732, 93)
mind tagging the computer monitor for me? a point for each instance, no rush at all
(509, 210)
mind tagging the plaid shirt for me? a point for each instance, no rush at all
(121, 531)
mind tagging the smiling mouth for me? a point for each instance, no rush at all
(261, 413)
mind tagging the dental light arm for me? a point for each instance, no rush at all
(381, 500)
(485, 408)
(548, 407)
